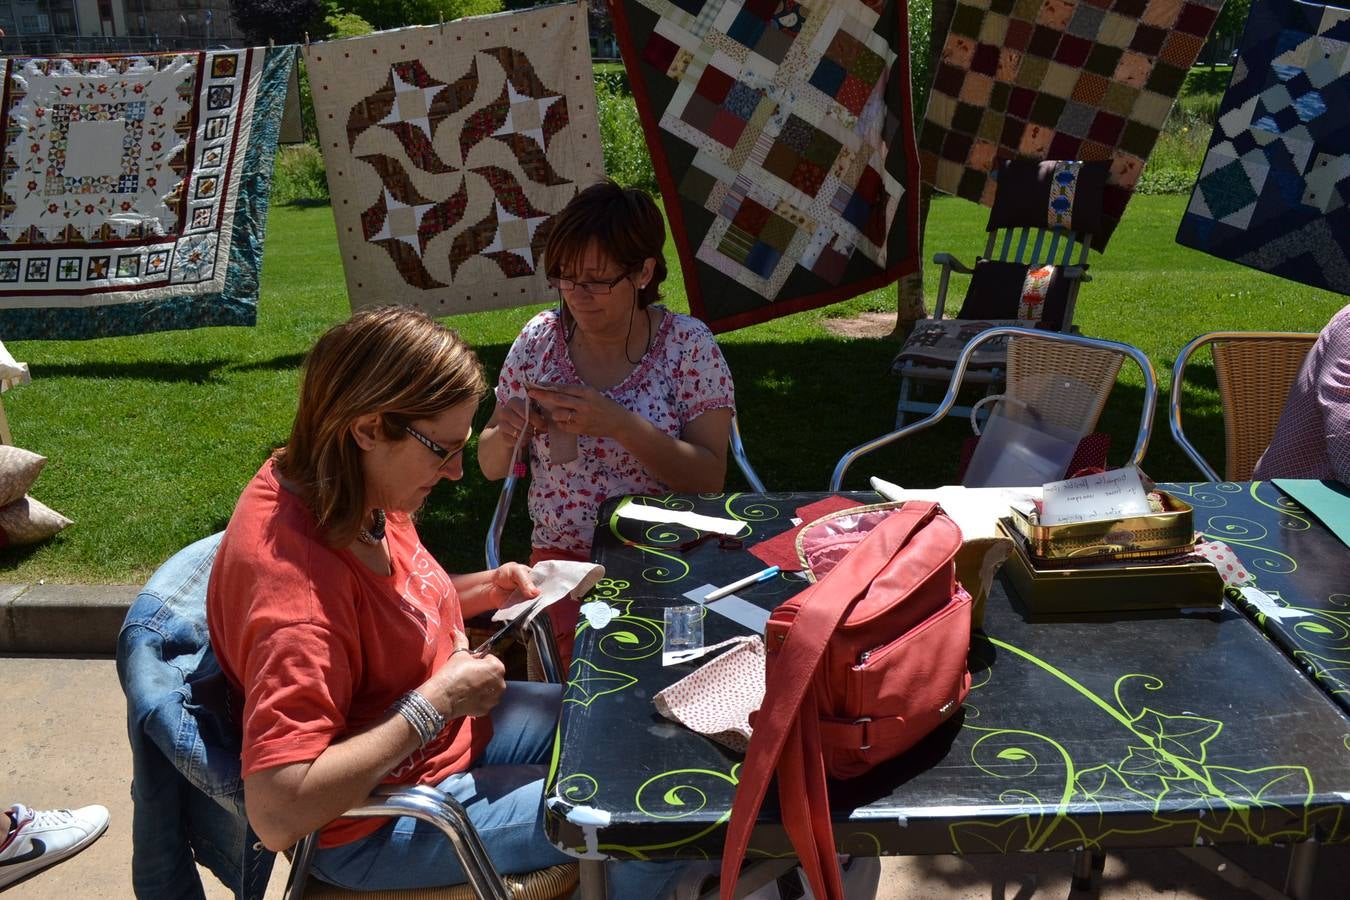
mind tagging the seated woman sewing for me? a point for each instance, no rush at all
(644, 393)
(343, 639)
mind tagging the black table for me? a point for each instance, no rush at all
(1170, 730)
(1293, 557)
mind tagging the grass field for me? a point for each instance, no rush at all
(150, 438)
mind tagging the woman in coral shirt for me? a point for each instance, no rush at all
(344, 638)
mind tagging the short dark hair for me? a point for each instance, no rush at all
(625, 222)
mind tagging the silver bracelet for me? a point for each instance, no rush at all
(425, 719)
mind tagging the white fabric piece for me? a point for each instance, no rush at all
(641, 512)
(556, 579)
(12, 373)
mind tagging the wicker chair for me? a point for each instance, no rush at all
(1255, 370)
(1039, 373)
(1042, 360)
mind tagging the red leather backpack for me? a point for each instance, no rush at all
(860, 667)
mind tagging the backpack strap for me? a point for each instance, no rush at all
(787, 731)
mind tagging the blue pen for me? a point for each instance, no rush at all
(744, 582)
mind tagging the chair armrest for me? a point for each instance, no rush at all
(947, 261)
(1077, 273)
(425, 804)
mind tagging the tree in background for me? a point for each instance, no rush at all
(382, 14)
(284, 21)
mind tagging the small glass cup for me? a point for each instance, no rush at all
(683, 628)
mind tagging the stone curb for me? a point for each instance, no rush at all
(70, 619)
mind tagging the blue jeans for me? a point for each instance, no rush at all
(503, 796)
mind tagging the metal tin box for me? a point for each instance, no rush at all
(1111, 586)
(1139, 537)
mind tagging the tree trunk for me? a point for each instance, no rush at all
(909, 290)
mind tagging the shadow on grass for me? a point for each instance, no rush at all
(307, 202)
(275, 364)
(166, 371)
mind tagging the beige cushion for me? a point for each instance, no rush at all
(19, 468)
(26, 521)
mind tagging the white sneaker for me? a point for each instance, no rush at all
(41, 837)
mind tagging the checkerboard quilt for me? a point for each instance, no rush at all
(782, 139)
(135, 190)
(450, 148)
(1058, 79)
(1274, 189)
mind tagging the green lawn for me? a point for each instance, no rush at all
(150, 438)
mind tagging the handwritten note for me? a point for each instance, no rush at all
(1108, 495)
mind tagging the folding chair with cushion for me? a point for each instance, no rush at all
(1255, 370)
(187, 789)
(1034, 260)
(1040, 377)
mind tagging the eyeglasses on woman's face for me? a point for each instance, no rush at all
(594, 288)
(447, 457)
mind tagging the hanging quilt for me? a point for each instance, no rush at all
(135, 190)
(1274, 189)
(1058, 79)
(449, 148)
(782, 138)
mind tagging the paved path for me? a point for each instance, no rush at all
(64, 730)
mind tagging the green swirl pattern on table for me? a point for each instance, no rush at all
(1168, 730)
(1290, 554)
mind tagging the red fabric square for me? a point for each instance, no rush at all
(1020, 102)
(1196, 20)
(853, 94)
(807, 177)
(1073, 51)
(1019, 34)
(715, 84)
(726, 128)
(985, 60)
(1106, 128)
(830, 265)
(1064, 146)
(781, 550)
(751, 217)
(660, 52)
(869, 184)
(762, 8)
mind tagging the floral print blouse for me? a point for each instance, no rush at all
(680, 378)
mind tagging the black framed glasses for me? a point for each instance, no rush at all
(446, 456)
(594, 288)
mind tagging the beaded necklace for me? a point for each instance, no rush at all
(375, 533)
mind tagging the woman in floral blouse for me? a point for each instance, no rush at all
(643, 392)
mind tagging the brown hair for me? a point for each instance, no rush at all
(391, 360)
(625, 222)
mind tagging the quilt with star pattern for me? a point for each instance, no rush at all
(449, 148)
(135, 190)
(1274, 189)
(782, 138)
